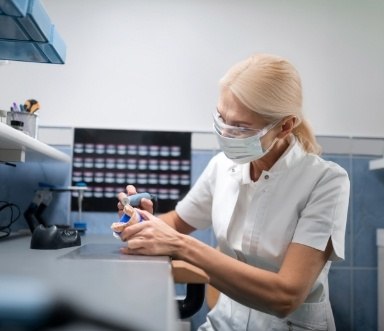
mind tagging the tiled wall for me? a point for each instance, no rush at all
(353, 282)
(18, 185)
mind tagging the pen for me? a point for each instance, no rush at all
(15, 108)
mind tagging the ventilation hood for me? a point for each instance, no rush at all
(27, 33)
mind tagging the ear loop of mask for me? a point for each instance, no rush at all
(274, 140)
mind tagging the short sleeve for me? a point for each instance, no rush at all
(196, 207)
(325, 214)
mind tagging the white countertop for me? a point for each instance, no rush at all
(131, 290)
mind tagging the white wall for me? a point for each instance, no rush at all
(154, 64)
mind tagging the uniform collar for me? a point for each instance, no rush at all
(293, 155)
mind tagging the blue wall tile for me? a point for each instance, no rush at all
(353, 283)
(340, 292)
(365, 300)
(19, 184)
(200, 159)
(367, 211)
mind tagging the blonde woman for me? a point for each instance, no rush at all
(278, 209)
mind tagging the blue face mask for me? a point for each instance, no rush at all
(241, 145)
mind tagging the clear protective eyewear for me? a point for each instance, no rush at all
(231, 131)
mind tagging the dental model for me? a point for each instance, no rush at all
(131, 215)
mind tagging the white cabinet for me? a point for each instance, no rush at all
(16, 146)
(380, 277)
(376, 164)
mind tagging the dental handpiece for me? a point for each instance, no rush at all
(134, 200)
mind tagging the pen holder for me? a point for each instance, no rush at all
(29, 120)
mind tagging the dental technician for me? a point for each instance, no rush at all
(278, 210)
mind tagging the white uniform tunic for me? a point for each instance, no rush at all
(301, 199)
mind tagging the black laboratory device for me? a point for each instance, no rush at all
(53, 237)
(46, 236)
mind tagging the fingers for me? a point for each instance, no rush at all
(147, 205)
(134, 244)
(120, 206)
(131, 189)
(125, 250)
(137, 246)
(123, 198)
(120, 209)
(145, 213)
(130, 231)
(129, 251)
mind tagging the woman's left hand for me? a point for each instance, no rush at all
(152, 236)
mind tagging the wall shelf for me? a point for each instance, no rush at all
(376, 164)
(16, 146)
(27, 33)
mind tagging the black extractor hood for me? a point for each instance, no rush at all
(27, 33)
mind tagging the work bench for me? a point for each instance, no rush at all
(95, 279)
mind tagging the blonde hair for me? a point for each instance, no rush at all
(270, 86)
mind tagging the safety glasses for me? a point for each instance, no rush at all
(230, 131)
